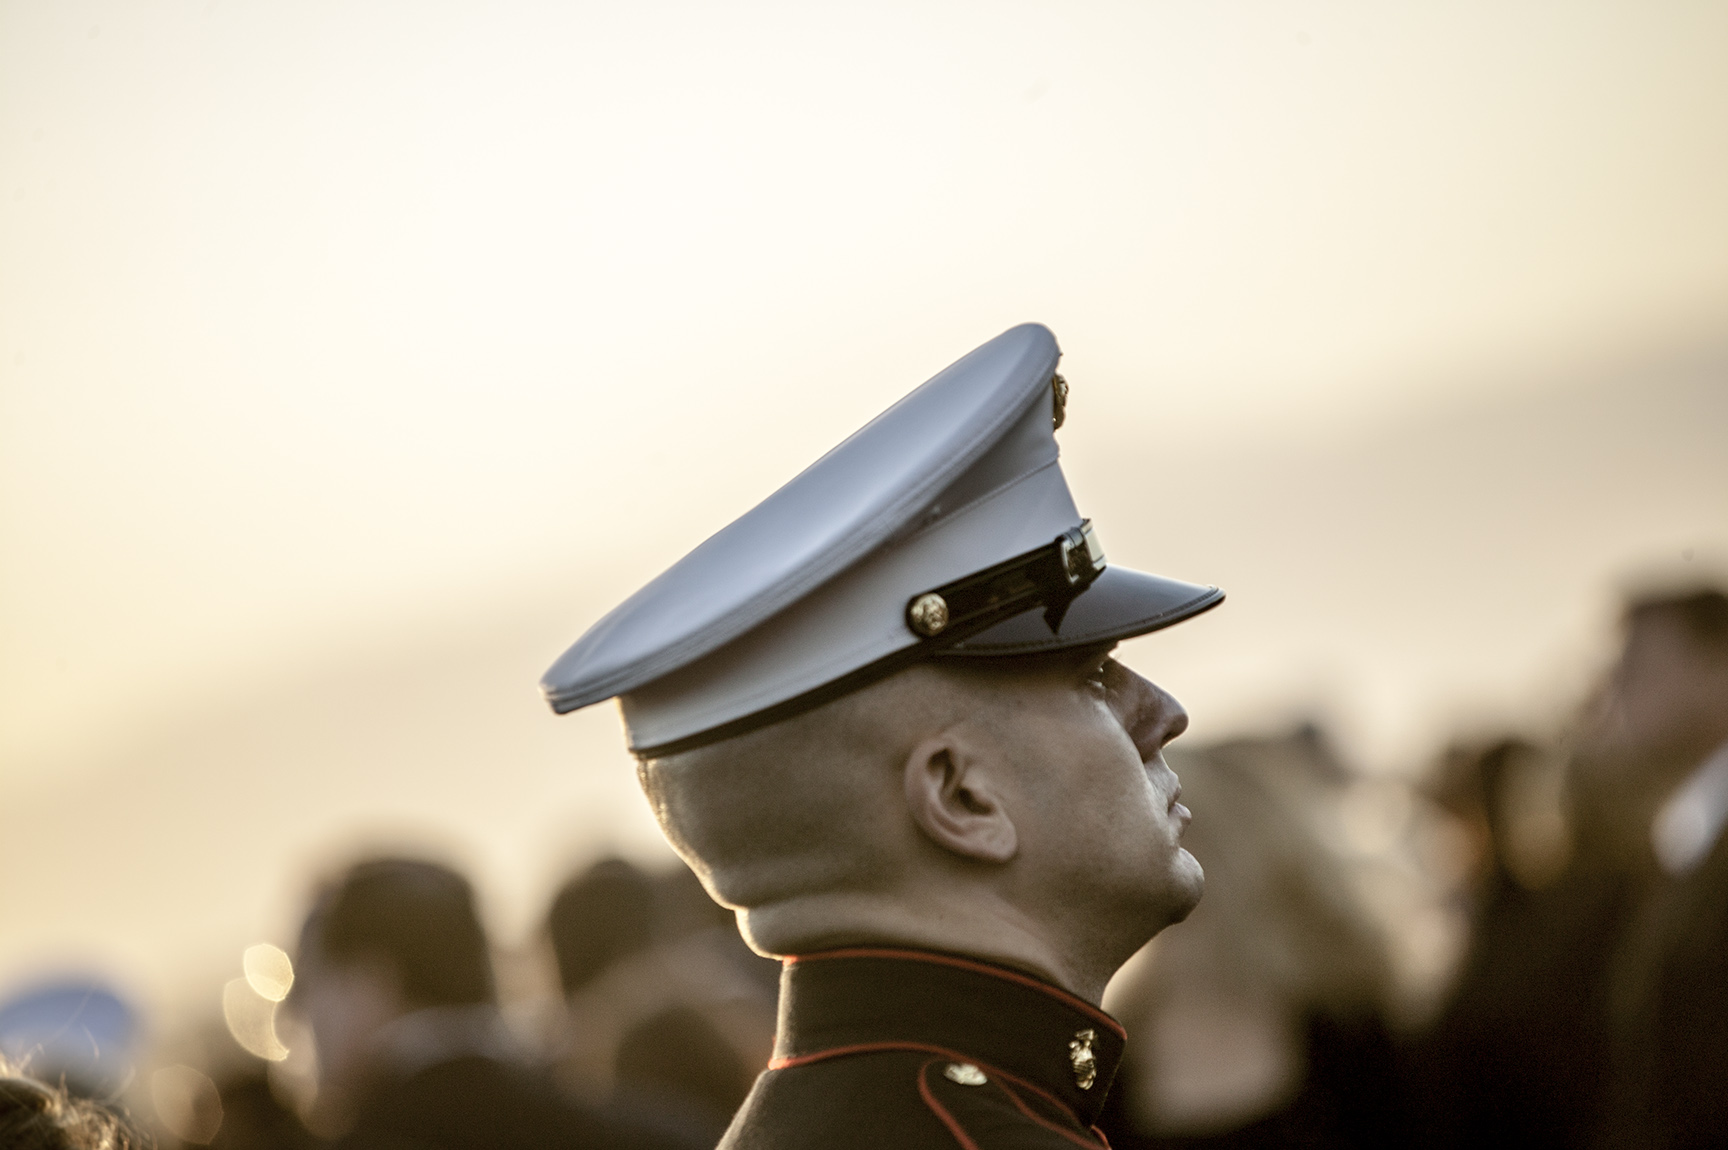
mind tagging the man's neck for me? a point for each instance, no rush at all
(982, 927)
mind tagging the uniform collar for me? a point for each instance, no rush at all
(856, 1000)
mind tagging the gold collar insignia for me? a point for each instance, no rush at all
(1081, 1058)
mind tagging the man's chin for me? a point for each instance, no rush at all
(1189, 885)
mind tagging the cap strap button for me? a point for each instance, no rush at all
(928, 614)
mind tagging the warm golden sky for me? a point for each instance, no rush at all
(342, 341)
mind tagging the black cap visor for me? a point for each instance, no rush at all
(1119, 604)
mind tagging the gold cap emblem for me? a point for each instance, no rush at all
(928, 614)
(1081, 1058)
(964, 1073)
(1058, 400)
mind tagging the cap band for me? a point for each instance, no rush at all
(1052, 576)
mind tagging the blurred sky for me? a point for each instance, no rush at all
(355, 356)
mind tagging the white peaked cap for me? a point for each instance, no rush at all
(942, 529)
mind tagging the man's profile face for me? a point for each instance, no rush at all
(1103, 812)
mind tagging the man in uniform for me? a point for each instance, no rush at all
(879, 717)
(1659, 749)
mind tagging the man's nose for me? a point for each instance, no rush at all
(1155, 716)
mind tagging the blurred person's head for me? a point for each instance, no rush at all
(682, 906)
(37, 1116)
(1507, 796)
(1662, 709)
(389, 937)
(1015, 808)
(1218, 1014)
(1284, 912)
(604, 914)
(1668, 694)
(251, 1114)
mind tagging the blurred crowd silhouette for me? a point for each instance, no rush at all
(1528, 945)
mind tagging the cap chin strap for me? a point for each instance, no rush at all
(1051, 576)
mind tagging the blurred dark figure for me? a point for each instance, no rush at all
(1656, 756)
(37, 1116)
(1593, 1009)
(667, 1008)
(253, 1118)
(1517, 1055)
(396, 982)
(599, 917)
(1260, 1020)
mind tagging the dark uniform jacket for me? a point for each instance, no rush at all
(897, 1048)
(1670, 1031)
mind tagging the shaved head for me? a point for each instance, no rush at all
(809, 804)
(1016, 808)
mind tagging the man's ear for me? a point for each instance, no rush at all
(954, 794)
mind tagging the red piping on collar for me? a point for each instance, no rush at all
(1020, 1104)
(921, 1047)
(941, 1111)
(1025, 980)
(959, 1133)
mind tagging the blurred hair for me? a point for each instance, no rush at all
(1702, 613)
(36, 1116)
(1470, 780)
(600, 916)
(417, 917)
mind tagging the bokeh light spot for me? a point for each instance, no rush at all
(187, 1103)
(269, 971)
(251, 1020)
